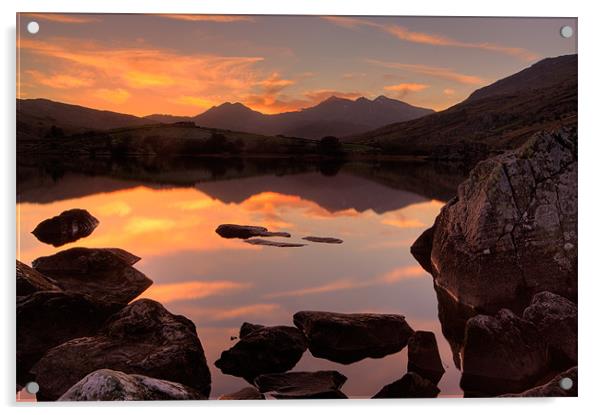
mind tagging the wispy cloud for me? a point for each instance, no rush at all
(217, 18)
(63, 18)
(405, 34)
(434, 71)
(402, 89)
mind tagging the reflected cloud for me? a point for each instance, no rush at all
(261, 311)
(168, 293)
(391, 277)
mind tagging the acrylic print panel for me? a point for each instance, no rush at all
(269, 207)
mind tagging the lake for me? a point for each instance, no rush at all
(168, 216)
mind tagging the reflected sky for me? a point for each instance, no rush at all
(220, 283)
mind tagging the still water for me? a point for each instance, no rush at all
(220, 283)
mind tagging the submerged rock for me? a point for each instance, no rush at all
(245, 394)
(112, 385)
(104, 275)
(555, 318)
(411, 385)
(263, 350)
(423, 356)
(323, 384)
(143, 338)
(348, 338)
(69, 226)
(246, 231)
(46, 319)
(30, 281)
(323, 239)
(502, 353)
(553, 388)
(512, 229)
(258, 241)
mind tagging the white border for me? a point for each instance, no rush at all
(590, 153)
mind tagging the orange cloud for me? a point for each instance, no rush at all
(115, 96)
(405, 87)
(62, 18)
(434, 71)
(449, 91)
(209, 18)
(62, 81)
(168, 293)
(405, 34)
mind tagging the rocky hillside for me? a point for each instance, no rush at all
(498, 117)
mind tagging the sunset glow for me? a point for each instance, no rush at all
(127, 63)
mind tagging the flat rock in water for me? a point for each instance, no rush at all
(348, 338)
(246, 231)
(323, 239)
(69, 226)
(411, 385)
(324, 384)
(143, 338)
(502, 354)
(30, 281)
(511, 231)
(112, 385)
(46, 319)
(555, 318)
(263, 242)
(245, 394)
(263, 350)
(104, 275)
(423, 356)
(553, 388)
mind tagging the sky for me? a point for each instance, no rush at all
(185, 64)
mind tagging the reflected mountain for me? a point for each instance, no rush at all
(335, 186)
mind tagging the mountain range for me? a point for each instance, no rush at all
(497, 117)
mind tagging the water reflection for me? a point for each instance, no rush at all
(219, 283)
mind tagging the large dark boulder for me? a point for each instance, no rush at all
(502, 353)
(249, 393)
(246, 231)
(104, 275)
(69, 226)
(30, 281)
(112, 385)
(325, 384)
(552, 388)
(512, 229)
(46, 319)
(263, 350)
(411, 385)
(143, 338)
(555, 318)
(423, 356)
(348, 338)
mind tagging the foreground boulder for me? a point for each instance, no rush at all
(142, 338)
(423, 356)
(323, 384)
(112, 385)
(512, 229)
(46, 319)
(555, 318)
(263, 350)
(502, 353)
(69, 226)
(104, 275)
(348, 338)
(245, 394)
(411, 385)
(552, 388)
(30, 281)
(245, 231)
